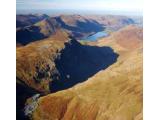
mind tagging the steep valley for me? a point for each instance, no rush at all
(114, 93)
(57, 63)
(61, 78)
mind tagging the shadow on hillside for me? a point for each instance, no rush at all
(29, 34)
(88, 26)
(23, 92)
(79, 62)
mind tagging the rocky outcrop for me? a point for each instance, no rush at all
(31, 104)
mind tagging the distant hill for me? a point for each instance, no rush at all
(37, 31)
(37, 27)
(79, 26)
(30, 19)
(129, 38)
(46, 27)
(112, 22)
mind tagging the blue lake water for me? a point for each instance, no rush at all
(96, 36)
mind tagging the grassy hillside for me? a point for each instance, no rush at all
(114, 93)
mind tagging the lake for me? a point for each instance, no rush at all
(96, 36)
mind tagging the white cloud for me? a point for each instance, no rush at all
(130, 5)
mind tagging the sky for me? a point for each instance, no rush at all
(92, 5)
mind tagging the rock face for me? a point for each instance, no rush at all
(114, 93)
(31, 105)
(23, 92)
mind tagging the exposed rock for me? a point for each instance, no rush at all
(31, 104)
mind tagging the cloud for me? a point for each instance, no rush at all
(81, 4)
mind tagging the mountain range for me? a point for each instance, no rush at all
(37, 27)
(59, 77)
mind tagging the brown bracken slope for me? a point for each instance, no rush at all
(114, 93)
(35, 68)
(56, 63)
(35, 61)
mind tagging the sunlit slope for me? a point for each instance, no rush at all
(38, 31)
(58, 63)
(112, 94)
(112, 22)
(127, 38)
(35, 64)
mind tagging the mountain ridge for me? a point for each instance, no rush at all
(80, 80)
(77, 26)
(109, 94)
